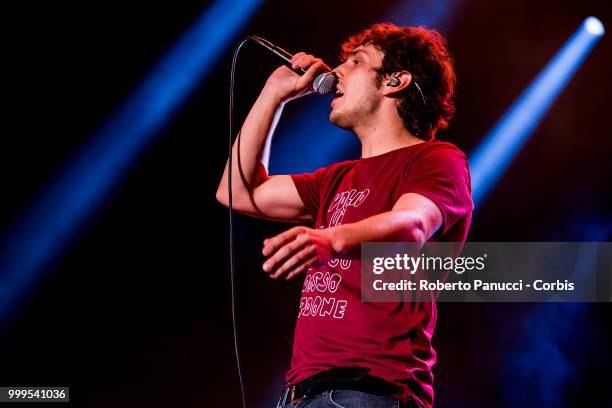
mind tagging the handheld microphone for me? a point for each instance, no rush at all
(323, 83)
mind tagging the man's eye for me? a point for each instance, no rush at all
(355, 62)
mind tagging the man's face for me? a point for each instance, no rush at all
(359, 95)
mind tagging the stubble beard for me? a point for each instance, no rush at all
(356, 115)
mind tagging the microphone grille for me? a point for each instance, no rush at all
(324, 83)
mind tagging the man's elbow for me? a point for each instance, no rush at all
(222, 196)
(415, 232)
(239, 201)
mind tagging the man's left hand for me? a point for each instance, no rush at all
(295, 250)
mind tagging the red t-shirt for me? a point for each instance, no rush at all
(334, 327)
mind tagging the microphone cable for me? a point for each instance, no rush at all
(323, 84)
(231, 220)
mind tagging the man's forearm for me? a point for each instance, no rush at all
(400, 225)
(246, 164)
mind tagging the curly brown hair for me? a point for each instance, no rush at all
(422, 52)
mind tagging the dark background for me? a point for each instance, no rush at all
(135, 311)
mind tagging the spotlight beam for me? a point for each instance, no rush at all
(493, 156)
(45, 228)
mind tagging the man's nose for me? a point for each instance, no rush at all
(337, 71)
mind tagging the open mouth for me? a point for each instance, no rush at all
(338, 93)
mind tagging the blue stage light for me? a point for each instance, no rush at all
(491, 158)
(594, 26)
(45, 228)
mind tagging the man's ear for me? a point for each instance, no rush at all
(396, 82)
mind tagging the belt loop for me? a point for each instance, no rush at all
(283, 399)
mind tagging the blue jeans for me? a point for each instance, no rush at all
(345, 399)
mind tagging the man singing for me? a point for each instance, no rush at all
(394, 92)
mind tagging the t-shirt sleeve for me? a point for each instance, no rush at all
(442, 174)
(308, 187)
